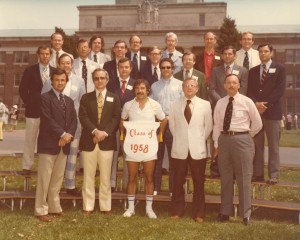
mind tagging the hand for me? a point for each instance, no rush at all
(261, 107)
(61, 143)
(100, 135)
(67, 138)
(215, 152)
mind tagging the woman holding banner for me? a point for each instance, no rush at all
(141, 141)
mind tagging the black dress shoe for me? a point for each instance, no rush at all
(246, 221)
(113, 189)
(222, 218)
(257, 179)
(272, 181)
(74, 192)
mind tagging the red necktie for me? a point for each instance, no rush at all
(227, 70)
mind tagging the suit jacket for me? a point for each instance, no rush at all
(110, 118)
(177, 59)
(146, 73)
(202, 92)
(54, 122)
(91, 66)
(30, 90)
(240, 55)
(270, 91)
(216, 82)
(190, 137)
(199, 65)
(101, 58)
(143, 60)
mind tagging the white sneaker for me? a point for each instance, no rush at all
(151, 214)
(128, 213)
(154, 193)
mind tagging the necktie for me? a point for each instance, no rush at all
(134, 59)
(95, 58)
(246, 61)
(227, 70)
(44, 75)
(170, 55)
(57, 57)
(187, 74)
(62, 102)
(84, 73)
(187, 111)
(228, 115)
(264, 74)
(155, 74)
(99, 104)
(123, 87)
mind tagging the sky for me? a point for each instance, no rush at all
(41, 14)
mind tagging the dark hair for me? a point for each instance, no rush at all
(43, 47)
(58, 71)
(81, 41)
(120, 41)
(228, 47)
(266, 43)
(93, 38)
(189, 53)
(142, 81)
(166, 60)
(65, 55)
(230, 75)
(125, 59)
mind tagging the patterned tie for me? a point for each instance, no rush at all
(44, 75)
(155, 74)
(227, 70)
(57, 57)
(62, 102)
(134, 59)
(95, 58)
(228, 115)
(264, 74)
(187, 74)
(84, 74)
(170, 55)
(246, 61)
(100, 105)
(187, 111)
(123, 87)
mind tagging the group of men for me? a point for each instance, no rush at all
(76, 104)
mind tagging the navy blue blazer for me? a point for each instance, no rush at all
(146, 73)
(30, 90)
(270, 91)
(143, 63)
(54, 122)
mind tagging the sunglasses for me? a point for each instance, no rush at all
(167, 67)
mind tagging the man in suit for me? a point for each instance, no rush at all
(190, 122)
(135, 54)
(151, 71)
(266, 87)
(99, 114)
(31, 87)
(188, 60)
(57, 41)
(96, 44)
(83, 66)
(236, 122)
(216, 83)
(209, 58)
(120, 49)
(165, 91)
(57, 129)
(171, 41)
(247, 56)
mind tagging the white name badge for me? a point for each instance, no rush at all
(272, 70)
(141, 141)
(143, 58)
(109, 99)
(195, 77)
(129, 87)
(235, 72)
(217, 57)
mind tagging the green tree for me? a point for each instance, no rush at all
(229, 35)
(69, 45)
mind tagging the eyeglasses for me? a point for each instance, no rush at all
(190, 85)
(166, 67)
(155, 54)
(99, 78)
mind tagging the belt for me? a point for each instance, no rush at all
(232, 133)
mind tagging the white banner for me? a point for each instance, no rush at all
(141, 141)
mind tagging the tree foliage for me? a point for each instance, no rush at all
(69, 45)
(229, 35)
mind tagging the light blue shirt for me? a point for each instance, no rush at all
(166, 92)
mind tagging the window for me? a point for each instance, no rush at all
(289, 81)
(2, 57)
(17, 79)
(201, 19)
(21, 57)
(292, 55)
(1, 79)
(99, 21)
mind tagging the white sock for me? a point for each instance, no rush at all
(131, 199)
(149, 201)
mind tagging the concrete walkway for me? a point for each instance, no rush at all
(13, 143)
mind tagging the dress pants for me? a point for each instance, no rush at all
(236, 158)
(197, 168)
(272, 128)
(51, 170)
(90, 160)
(31, 133)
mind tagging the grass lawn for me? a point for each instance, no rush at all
(266, 223)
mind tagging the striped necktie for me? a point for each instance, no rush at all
(100, 105)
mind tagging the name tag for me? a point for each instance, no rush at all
(129, 87)
(235, 72)
(217, 57)
(144, 58)
(195, 77)
(109, 99)
(272, 70)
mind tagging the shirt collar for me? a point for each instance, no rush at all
(103, 93)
